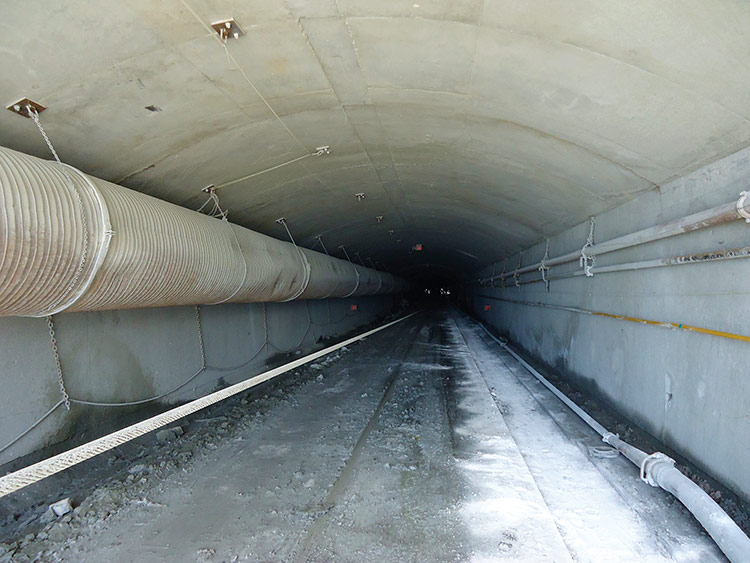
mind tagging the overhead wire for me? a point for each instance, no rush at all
(247, 79)
(254, 174)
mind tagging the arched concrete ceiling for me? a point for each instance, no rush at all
(474, 127)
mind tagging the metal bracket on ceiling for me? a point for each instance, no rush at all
(227, 29)
(21, 107)
(320, 151)
(379, 218)
(360, 196)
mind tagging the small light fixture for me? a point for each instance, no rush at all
(379, 218)
(360, 196)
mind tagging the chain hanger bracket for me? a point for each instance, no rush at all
(26, 108)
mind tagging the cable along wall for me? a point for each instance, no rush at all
(73, 242)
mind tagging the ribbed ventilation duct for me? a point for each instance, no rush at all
(72, 242)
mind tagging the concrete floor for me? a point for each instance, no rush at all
(425, 442)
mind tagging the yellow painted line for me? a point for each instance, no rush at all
(680, 326)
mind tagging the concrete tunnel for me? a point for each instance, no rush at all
(348, 280)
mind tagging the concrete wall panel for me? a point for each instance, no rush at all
(128, 355)
(689, 389)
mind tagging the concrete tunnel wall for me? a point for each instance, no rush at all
(127, 355)
(474, 129)
(688, 389)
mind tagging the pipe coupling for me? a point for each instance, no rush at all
(649, 464)
(741, 203)
(608, 436)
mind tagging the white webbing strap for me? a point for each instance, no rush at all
(38, 471)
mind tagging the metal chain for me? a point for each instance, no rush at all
(265, 327)
(200, 336)
(35, 116)
(55, 352)
(84, 251)
(585, 261)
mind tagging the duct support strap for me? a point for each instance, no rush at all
(59, 254)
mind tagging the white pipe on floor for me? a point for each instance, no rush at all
(73, 242)
(658, 470)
